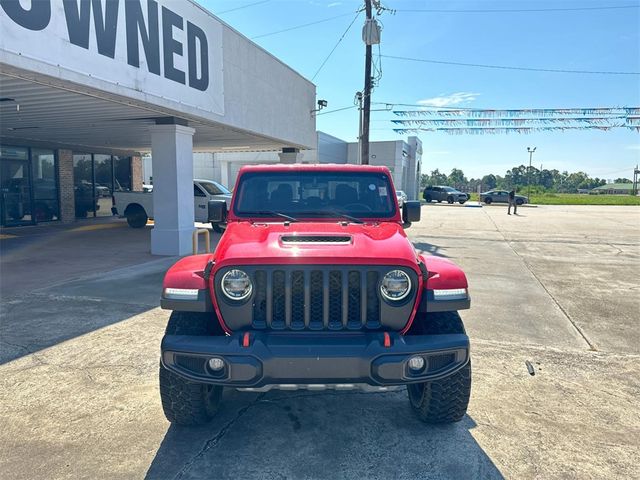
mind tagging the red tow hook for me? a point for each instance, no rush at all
(246, 339)
(387, 340)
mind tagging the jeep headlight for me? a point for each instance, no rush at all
(236, 284)
(395, 285)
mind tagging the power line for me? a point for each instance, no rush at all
(336, 45)
(301, 26)
(337, 110)
(242, 7)
(504, 67)
(519, 10)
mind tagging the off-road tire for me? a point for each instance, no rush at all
(136, 216)
(444, 400)
(185, 402)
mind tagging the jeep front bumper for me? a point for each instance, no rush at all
(258, 359)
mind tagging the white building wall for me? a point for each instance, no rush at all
(331, 149)
(203, 166)
(402, 158)
(249, 89)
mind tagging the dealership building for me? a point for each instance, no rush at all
(402, 158)
(85, 87)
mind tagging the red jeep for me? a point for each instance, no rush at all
(314, 285)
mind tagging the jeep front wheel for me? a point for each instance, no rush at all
(185, 402)
(442, 401)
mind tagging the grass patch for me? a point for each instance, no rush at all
(576, 199)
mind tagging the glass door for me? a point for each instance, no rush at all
(15, 188)
(85, 197)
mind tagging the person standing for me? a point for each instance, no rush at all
(512, 202)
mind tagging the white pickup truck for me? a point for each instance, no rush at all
(137, 207)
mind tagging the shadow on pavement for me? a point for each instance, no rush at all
(429, 248)
(320, 435)
(64, 281)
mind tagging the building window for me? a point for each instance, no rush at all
(122, 173)
(85, 199)
(103, 168)
(28, 186)
(46, 206)
(96, 177)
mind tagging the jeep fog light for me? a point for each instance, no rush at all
(395, 285)
(216, 364)
(416, 363)
(181, 293)
(236, 284)
(451, 294)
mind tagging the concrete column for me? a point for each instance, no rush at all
(290, 155)
(172, 152)
(65, 177)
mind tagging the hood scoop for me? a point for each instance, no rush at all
(315, 239)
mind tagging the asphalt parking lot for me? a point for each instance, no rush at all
(558, 286)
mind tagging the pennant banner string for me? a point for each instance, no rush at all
(514, 113)
(507, 130)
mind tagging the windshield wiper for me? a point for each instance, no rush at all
(332, 212)
(274, 214)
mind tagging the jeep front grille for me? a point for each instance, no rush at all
(316, 299)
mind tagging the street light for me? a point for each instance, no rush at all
(529, 172)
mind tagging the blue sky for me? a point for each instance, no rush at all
(600, 40)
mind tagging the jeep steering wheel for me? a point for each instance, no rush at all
(364, 205)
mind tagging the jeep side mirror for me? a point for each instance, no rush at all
(217, 211)
(410, 213)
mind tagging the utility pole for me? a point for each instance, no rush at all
(529, 171)
(636, 172)
(358, 101)
(366, 112)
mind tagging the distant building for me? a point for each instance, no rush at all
(403, 158)
(613, 189)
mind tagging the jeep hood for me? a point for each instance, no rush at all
(315, 243)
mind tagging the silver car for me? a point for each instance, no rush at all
(501, 196)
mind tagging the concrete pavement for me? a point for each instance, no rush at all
(554, 286)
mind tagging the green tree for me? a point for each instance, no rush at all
(489, 182)
(622, 180)
(456, 178)
(436, 178)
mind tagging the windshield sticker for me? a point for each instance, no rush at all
(382, 191)
(372, 187)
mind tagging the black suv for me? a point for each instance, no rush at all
(440, 193)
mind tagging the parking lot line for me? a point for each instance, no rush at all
(99, 226)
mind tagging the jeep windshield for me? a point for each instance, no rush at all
(308, 194)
